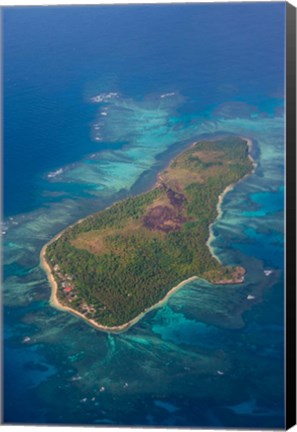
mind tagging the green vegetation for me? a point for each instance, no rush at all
(117, 263)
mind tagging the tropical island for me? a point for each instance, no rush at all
(112, 267)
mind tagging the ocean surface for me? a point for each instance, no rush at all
(97, 100)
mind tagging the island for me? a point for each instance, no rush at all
(114, 266)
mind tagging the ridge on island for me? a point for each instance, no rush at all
(114, 266)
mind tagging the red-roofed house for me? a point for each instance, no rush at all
(67, 289)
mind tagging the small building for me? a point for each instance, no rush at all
(68, 289)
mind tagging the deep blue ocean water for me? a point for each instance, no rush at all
(97, 100)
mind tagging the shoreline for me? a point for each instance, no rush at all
(54, 301)
(221, 197)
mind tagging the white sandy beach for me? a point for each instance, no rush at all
(222, 196)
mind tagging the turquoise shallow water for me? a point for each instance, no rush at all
(87, 124)
(209, 347)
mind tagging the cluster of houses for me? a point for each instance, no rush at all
(68, 289)
(66, 284)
